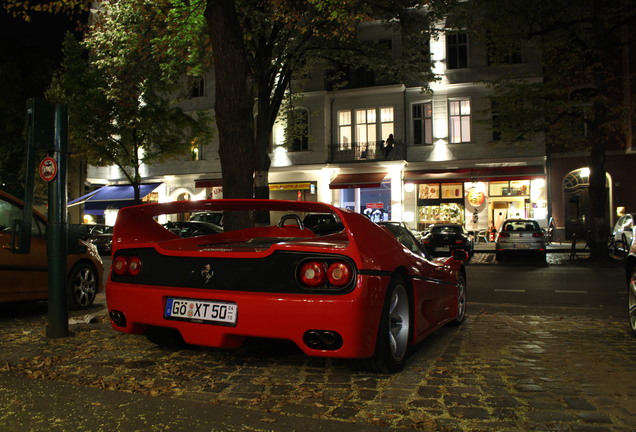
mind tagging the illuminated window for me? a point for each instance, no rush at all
(459, 117)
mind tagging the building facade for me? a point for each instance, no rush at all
(392, 152)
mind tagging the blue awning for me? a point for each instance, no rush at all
(114, 196)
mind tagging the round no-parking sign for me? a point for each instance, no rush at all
(48, 169)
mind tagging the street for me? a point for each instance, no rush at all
(534, 285)
(544, 347)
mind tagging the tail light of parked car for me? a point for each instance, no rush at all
(319, 274)
(538, 234)
(504, 234)
(124, 265)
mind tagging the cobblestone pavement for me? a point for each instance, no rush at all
(500, 371)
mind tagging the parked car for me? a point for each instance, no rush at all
(630, 275)
(102, 237)
(520, 236)
(192, 228)
(443, 239)
(623, 233)
(215, 218)
(364, 292)
(24, 277)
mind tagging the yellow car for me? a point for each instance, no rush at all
(24, 277)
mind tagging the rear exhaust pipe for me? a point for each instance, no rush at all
(328, 338)
(323, 339)
(312, 337)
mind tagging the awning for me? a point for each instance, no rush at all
(114, 196)
(360, 180)
(524, 172)
(208, 182)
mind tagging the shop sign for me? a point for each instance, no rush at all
(289, 186)
(375, 205)
(476, 198)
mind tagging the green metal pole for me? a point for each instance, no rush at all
(57, 231)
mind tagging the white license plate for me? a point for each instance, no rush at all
(442, 249)
(522, 246)
(213, 312)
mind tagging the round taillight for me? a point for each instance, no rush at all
(126, 265)
(120, 265)
(134, 266)
(313, 274)
(339, 274)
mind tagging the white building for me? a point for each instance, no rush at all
(447, 165)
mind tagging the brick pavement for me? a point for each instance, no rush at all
(500, 371)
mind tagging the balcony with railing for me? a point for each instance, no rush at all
(365, 152)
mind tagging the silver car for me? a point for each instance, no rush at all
(630, 274)
(623, 233)
(520, 236)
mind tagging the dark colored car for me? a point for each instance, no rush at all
(443, 239)
(630, 274)
(24, 277)
(363, 292)
(215, 218)
(192, 228)
(102, 237)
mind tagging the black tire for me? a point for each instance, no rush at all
(394, 334)
(82, 286)
(624, 244)
(499, 256)
(631, 301)
(461, 301)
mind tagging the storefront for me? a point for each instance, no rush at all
(479, 199)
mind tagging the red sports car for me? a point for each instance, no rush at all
(350, 289)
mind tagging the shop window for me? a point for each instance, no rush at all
(423, 123)
(375, 203)
(509, 188)
(459, 119)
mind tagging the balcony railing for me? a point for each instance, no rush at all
(365, 151)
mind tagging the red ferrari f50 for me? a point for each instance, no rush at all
(328, 279)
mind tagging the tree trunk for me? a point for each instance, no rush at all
(598, 137)
(233, 105)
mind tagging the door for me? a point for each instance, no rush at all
(22, 276)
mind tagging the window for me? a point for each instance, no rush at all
(198, 90)
(297, 131)
(366, 127)
(386, 122)
(196, 150)
(581, 107)
(423, 123)
(456, 51)
(361, 127)
(502, 53)
(459, 117)
(344, 130)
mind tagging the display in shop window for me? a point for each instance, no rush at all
(451, 191)
(429, 191)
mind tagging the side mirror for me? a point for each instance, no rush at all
(460, 255)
